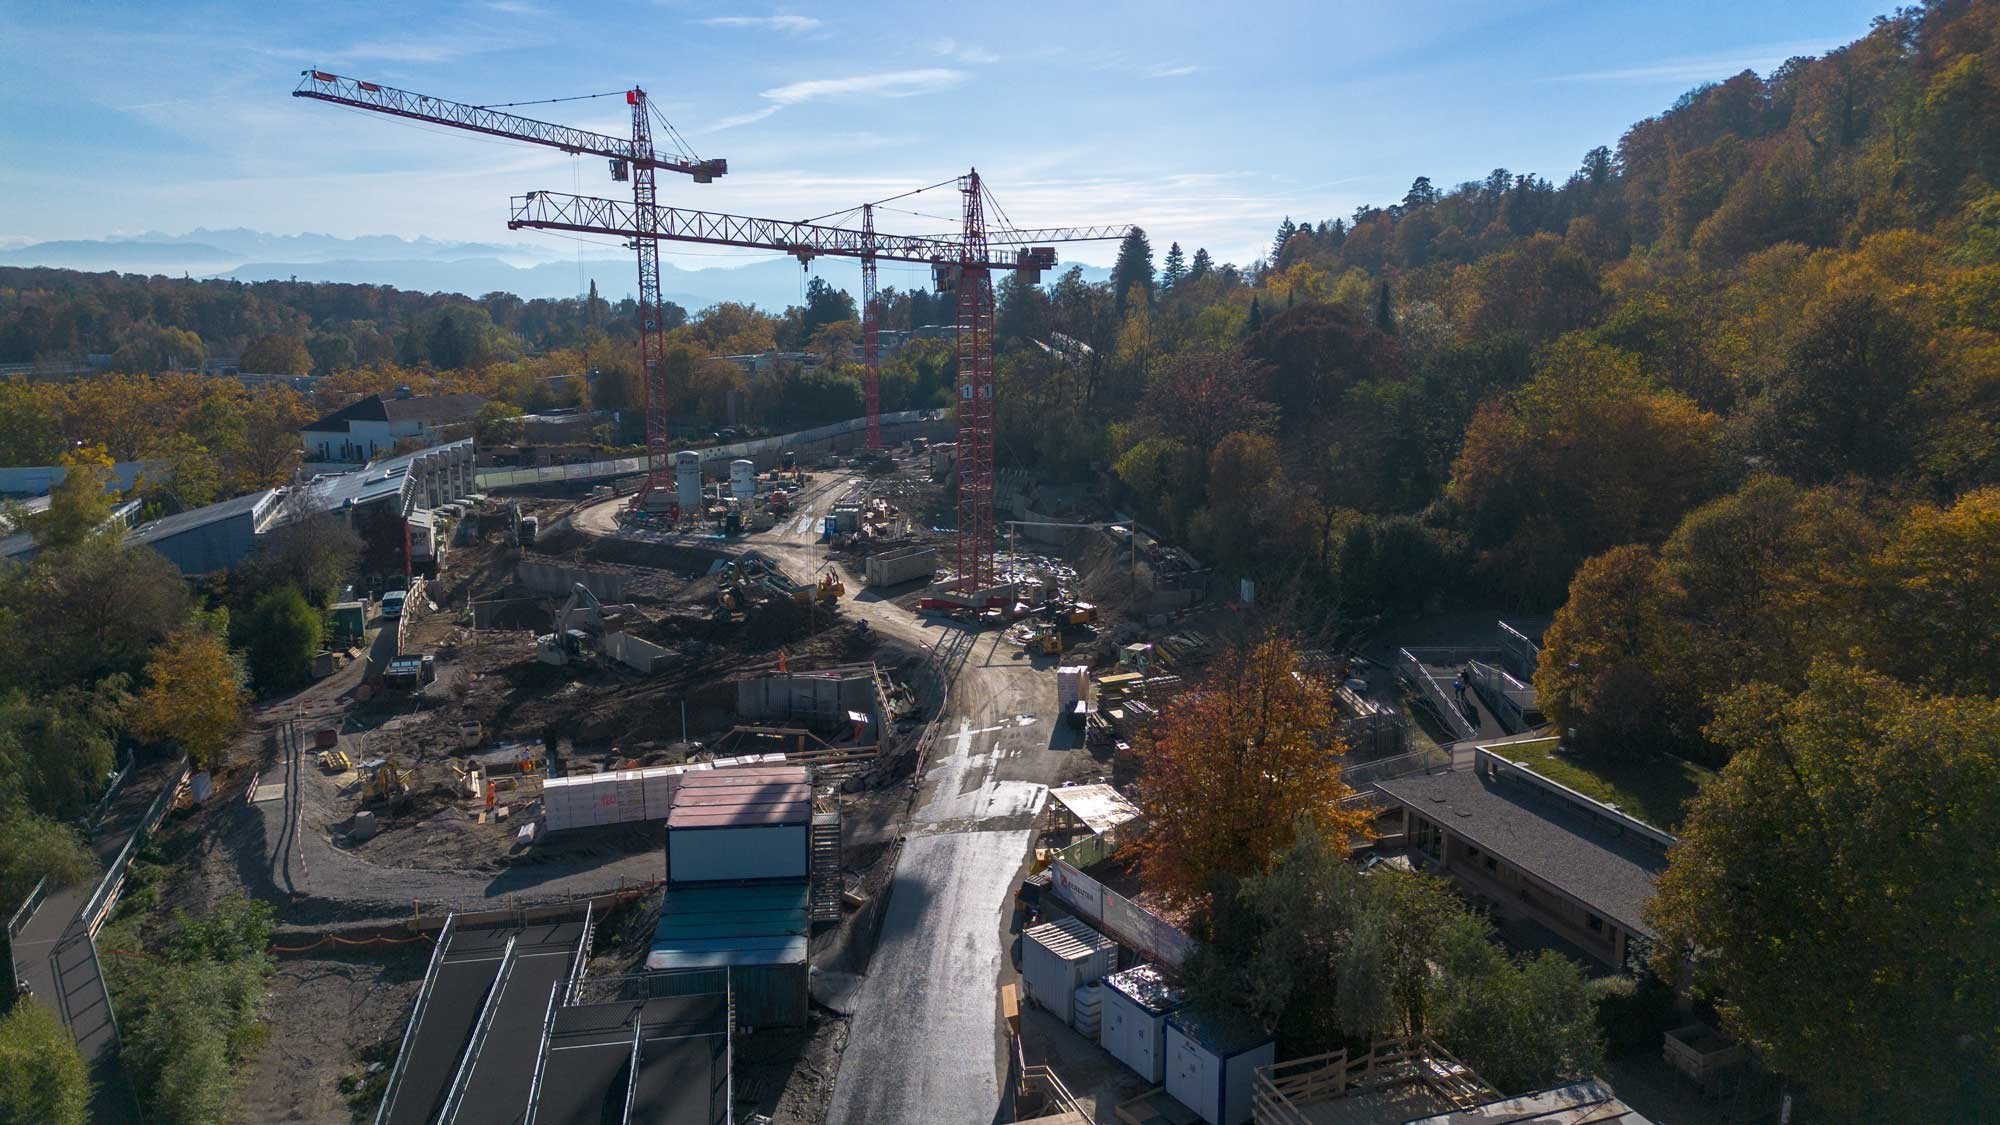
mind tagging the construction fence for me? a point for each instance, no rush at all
(1120, 917)
(767, 448)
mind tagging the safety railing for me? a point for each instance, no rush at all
(461, 1080)
(424, 994)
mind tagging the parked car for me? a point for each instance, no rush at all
(392, 604)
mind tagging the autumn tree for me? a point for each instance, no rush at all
(30, 427)
(1232, 769)
(1835, 888)
(94, 609)
(1586, 456)
(194, 695)
(78, 505)
(277, 355)
(1937, 593)
(1199, 395)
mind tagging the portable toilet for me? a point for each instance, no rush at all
(1211, 1068)
(1133, 1025)
(1059, 957)
(687, 481)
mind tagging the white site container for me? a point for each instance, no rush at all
(1133, 1027)
(742, 479)
(1211, 1071)
(1061, 956)
(740, 825)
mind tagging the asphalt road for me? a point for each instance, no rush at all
(927, 1044)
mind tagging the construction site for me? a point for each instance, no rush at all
(702, 787)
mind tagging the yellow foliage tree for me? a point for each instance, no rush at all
(1232, 769)
(194, 695)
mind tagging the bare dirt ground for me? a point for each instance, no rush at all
(329, 1017)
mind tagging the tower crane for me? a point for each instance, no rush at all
(961, 263)
(635, 159)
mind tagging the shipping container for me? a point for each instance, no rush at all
(758, 933)
(740, 825)
(1133, 1026)
(1061, 956)
(1211, 1068)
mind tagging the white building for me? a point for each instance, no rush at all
(371, 428)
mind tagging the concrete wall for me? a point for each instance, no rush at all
(890, 568)
(549, 578)
(800, 695)
(634, 652)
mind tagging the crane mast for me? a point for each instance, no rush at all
(652, 315)
(871, 326)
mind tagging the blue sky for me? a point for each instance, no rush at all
(1204, 122)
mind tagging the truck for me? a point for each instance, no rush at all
(410, 673)
(392, 604)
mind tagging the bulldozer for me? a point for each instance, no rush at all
(1047, 641)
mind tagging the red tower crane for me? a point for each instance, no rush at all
(633, 159)
(962, 263)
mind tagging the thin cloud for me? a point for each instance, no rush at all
(888, 84)
(964, 52)
(1703, 68)
(1171, 71)
(791, 25)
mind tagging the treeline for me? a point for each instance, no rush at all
(221, 439)
(1727, 400)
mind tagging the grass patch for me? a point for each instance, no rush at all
(1656, 790)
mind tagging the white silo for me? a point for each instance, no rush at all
(687, 481)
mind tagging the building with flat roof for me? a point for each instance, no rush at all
(1529, 849)
(217, 537)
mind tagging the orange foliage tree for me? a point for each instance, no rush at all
(1231, 770)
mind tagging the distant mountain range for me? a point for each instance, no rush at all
(526, 270)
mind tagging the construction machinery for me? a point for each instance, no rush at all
(1046, 640)
(581, 623)
(386, 782)
(1073, 613)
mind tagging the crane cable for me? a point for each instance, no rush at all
(551, 101)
